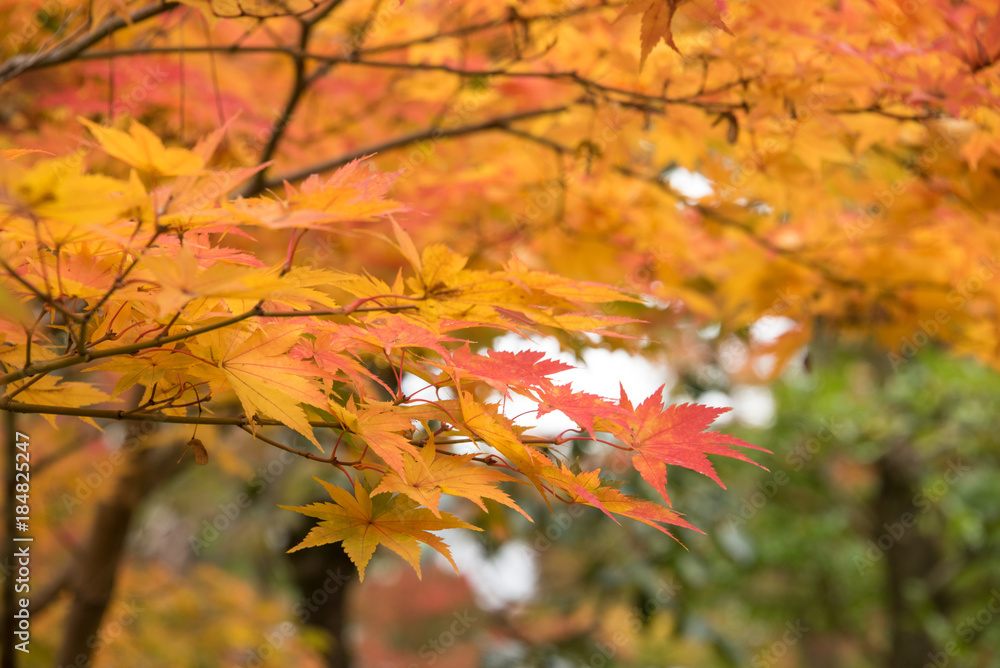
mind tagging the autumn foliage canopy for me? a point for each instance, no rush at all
(289, 294)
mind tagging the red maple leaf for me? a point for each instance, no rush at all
(580, 407)
(503, 370)
(674, 436)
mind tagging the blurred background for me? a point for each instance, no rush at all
(872, 540)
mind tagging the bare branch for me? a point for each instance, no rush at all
(499, 122)
(72, 360)
(19, 64)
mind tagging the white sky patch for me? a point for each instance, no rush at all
(754, 406)
(709, 332)
(507, 577)
(599, 373)
(770, 327)
(690, 184)
(414, 387)
(717, 399)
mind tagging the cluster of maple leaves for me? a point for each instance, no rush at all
(846, 144)
(132, 280)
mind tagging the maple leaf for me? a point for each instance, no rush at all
(381, 426)
(264, 377)
(673, 436)
(503, 370)
(483, 422)
(425, 481)
(54, 391)
(390, 331)
(449, 291)
(15, 153)
(586, 487)
(328, 350)
(580, 407)
(85, 275)
(657, 16)
(82, 205)
(350, 194)
(362, 523)
(142, 149)
(182, 276)
(148, 369)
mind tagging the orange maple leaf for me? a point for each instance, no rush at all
(657, 16)
(266, 380)
(15, 153)
(580, 407)
(350, 194)
(586, 487)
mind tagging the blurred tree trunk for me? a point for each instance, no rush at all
(322, 575)
(92, 578)
(910, 558)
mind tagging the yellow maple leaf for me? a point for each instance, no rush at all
(142, 149)
(265, 379)
(54, 391)
(425, 481)
(78, 206)
(148, 368)
(380, 425)
(181, 279)
(479, 423)
(361, 524)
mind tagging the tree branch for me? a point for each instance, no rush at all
(127, 416)
(257, 311)
(300, 84)
(499, 122)
(21, 63)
